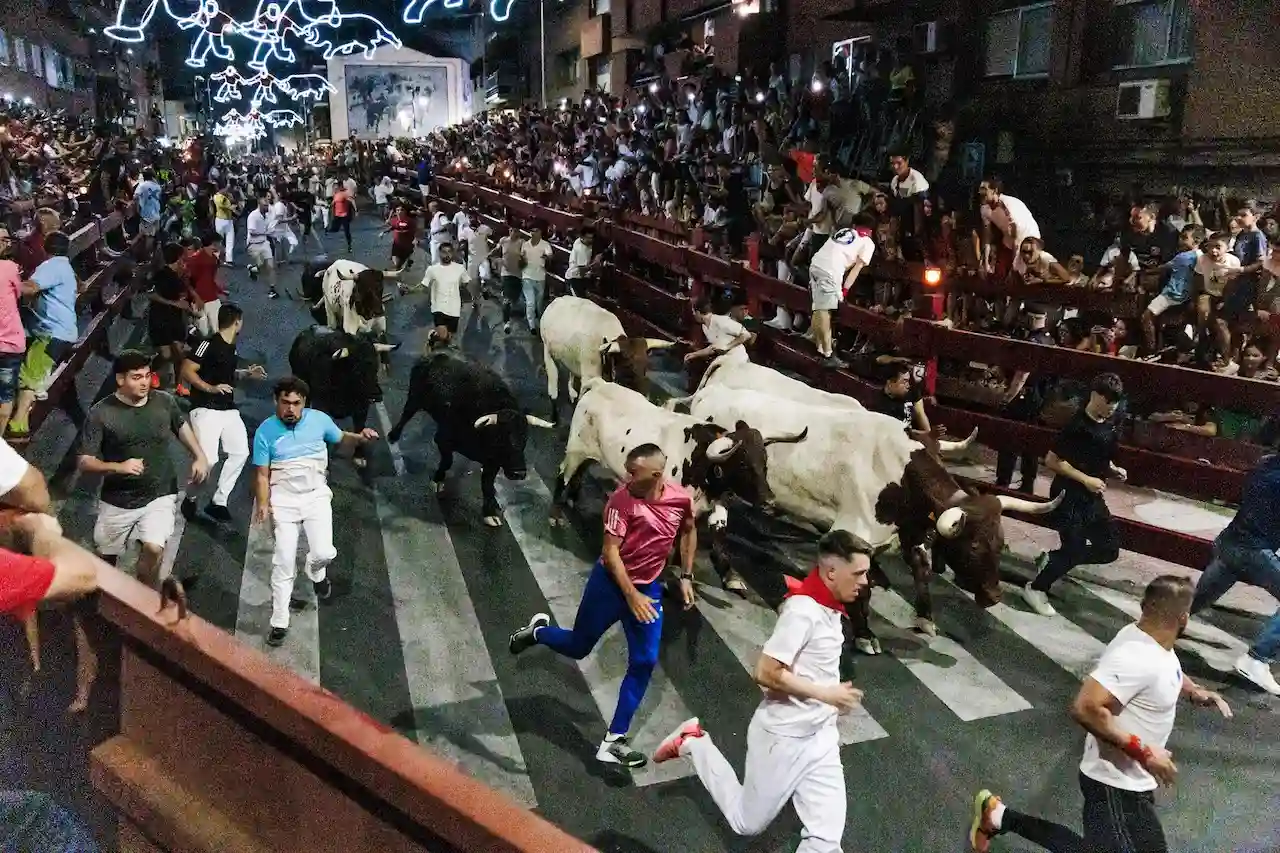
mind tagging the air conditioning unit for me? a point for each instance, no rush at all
(931, 37)
(1143, 99)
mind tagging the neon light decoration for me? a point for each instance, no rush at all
(341, 33)
(303, 86)
(212, 35)
(415, 10)
(230, 78)
(282, 118)
(132, 33)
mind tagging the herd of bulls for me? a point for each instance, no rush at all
(748, 433)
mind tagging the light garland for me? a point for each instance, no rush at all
(303, 86)
(415, 10)
(208, 40)
(369, 33)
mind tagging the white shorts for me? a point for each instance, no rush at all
(260, 254)
(1161, 304)
(116, 527)
(824, 292)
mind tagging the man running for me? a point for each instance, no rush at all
(1126, 706)
(445, 281)
(642, 519)
(211, 371)
(793, 746)
(291, 489)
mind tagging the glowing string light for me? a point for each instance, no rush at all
(208, 40)
(341, 33)
(230, 78)
(415, 10)
(303, 86)
(282, 118)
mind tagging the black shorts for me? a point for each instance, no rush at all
(402, 251)
(449, 321)
(166, 328)
(1238, 300)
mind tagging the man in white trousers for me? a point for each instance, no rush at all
(437, 230)
(793, 747)
(224, 222)
(210, 370)
(282, 237)
(290, 451)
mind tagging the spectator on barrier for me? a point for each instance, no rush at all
(1008, 216)
(30, 250)
(13, 338)
(900, 399)
(1179, 282)
(1244, 284)
(1216, 267)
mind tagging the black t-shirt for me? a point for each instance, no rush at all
(1089, 446)
(167, 285)
(901, 408)
(217, 361)
(117, 432)
(304, 201)
(1152, 248)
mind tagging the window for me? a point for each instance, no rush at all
(4, 49)
(1152, 32)
(601, 73)
(20, 54)
(600, 7)
(37, 61)
(1018, 42)
(52, 68)
(568, 70)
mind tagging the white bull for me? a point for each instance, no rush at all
(589, 342)
(729, 372)
(338, 287)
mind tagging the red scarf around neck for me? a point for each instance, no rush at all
(813, 587)
(862, 232)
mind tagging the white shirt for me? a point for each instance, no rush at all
(477, 243)
(807, 639)
(460, 221)
(838, 254)
(12, 468)
(259, 225)
(1042, 265)
(277, 214)
(579, 260)
(383, 190)
(350, 185)
(535, 260)
(720, 331)
(817, 204)
(1146, 678)
(913, 184)
(1214, 272)
(445, 282)
(439, 228)
(1011, 210)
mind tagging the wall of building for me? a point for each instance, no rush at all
(32, 23)
(1235, 90)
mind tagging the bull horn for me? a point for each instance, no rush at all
(485, 420)
(394, 275)
(957, 446)
(610, 347)
(534, 420)
(722, 448)
(795, 438)
(1011, 504)
(658, 343)
(951, 522)
(342, 353)
(385, 347)
(388, 298)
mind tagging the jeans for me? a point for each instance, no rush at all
(1236, 561)
(511, 287)
(1087, 533)
(602, 605)
(1115, 821)
(533, 293)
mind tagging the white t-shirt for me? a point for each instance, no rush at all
(720, 331)
(1012, 210)
(477, 244)
(439, 228)
(913, 184)
(460, 221)
(1214, 272)
(446, 281)
(535, 260)
(838, 254)
(1146, 678)
(1042, 265)
(279, 213)
(579, 260)
(817, 204)
(12, 468)
(807, 639)
(258, 226)
(383, 190)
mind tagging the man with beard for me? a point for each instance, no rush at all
(291, 489)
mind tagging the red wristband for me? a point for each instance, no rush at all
(1137, 750)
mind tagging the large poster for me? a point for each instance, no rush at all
(396, 100)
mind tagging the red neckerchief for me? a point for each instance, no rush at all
(813, 587)
(863, 232)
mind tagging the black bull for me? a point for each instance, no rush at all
(476, 415)
(341, 370)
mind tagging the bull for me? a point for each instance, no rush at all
(342, 371)
(590, 342)
(731, 372)
(860, 471)
(476, 415)
(709, 460)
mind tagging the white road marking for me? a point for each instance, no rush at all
(1056, 637)
(301, 649)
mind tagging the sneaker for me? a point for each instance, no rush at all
(620, 752)
(276, 637)
(182, 390)
(834, 363)
(506, 328)
(253, 273)
(1258, 672)
(670, 747)
(218, 512)
(323, 589)
(983, 829)
(272, 294)
(189, 509)
(1038, 601)
(527, 637)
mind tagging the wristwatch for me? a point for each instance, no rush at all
(686, 576)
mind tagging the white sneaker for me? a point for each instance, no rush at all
(1259, 672)
(1039, 601)
(782, 321)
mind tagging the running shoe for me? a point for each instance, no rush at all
(527, 637)
(324, 589)
(218, 512)
(620, 752)
(276, 637)
(982, 830)
(670, 747)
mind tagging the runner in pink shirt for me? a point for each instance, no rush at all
(642, 520)
(13, 339)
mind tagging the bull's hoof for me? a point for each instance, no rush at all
(867, 645)
(360, 462)
(555, 520)
(493, 521)
(926, 627)
(733, 583)
(439, 487)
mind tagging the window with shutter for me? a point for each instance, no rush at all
(1019, 42)
(1151, 32)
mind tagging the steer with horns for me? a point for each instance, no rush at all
(709, 460)
(476, 415)
(861, 472)
(589, 342)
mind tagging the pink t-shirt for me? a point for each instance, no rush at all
(12, 338)
(648, 529)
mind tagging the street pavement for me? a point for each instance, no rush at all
(426, 596)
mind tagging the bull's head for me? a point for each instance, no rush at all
(625, 360)
(355, 369)
(503, 434)
(366, 295)
(735, 461)
(971, 534)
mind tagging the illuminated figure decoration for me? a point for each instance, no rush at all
(269, 26)
(282, 118)
(230, 78)
(121, 30)
(266, 90)
(214, 27)
(341, 33)
(303, 86)
(414, 11)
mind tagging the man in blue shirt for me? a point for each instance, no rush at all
(147, 197)
(426, 174)
(1243, 289)
(291, 454)
(1180, 276)
(53, 333)
(1246, 552)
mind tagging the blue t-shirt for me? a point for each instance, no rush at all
(148, 197)
(1182, 270)
(56, 306)
(1251, 247)
(1257, 522)
(298, 455)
